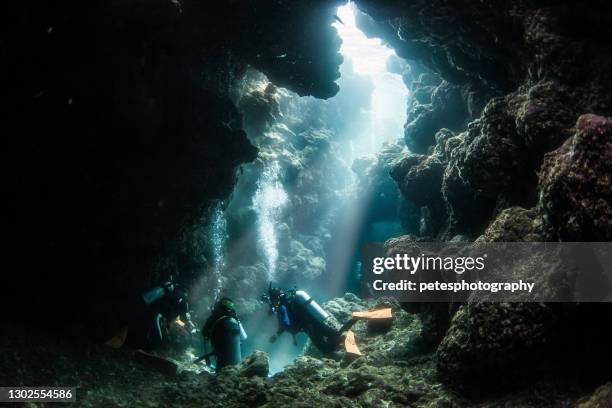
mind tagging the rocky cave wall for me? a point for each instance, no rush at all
(496, 87)
(522, 156)
(120, 130)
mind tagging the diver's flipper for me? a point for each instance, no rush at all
(350, 345)
(374, 314)
(118, 339)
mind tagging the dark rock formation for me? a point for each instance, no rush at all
(260, 108)
(482, 167)
(293, 43)
(576, 183)
(420, 178)
(551, 61)
(126, 131)
(514, 224)
(434, 317)
(462, 40)
(445, 110)
(510, 344)
(490, 339)
(420, 183)
(600, 398)
(255, 365)
(514, 339)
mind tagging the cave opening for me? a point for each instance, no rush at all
(318, 189)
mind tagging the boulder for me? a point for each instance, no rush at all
(576, 183)
(446, 110)
(256, 364)
(601, 398)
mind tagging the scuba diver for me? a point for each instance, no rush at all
(145, 318)
(163, 304)
(296, 311)
(225, 332)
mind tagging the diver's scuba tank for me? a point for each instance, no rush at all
(153, 295)
(146, 317)
(152, 311)
(157, 293)
(309, 306)
(323, 329)
(225, 337)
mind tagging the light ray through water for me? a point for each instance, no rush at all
(387, 115)
(369, 57)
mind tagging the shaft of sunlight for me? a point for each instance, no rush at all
(369, 57)
(386, 117)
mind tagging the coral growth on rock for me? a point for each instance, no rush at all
(576, 183)
(530, 99)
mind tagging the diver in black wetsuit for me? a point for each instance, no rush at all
(296, 311)
(225, 332)
(159, 306)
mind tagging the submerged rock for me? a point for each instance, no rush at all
(434, 318)
(490, 339)
(576, 183)
(601, 398)
(514, 224)
(516, 342)
(483, 169)
(420, 178)
(420, 181)
(446, 110)
(256, 364)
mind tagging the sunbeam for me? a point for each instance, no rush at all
(369, 57)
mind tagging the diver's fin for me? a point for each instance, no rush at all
(118, 339)
(374, 314)
(350, 345)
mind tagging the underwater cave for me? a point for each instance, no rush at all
(192, 190)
